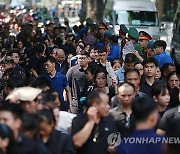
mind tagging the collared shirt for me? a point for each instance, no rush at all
(141, 148)
(122, 120)
(120, 74)
(105, 127)
(58, 82)
(115, 100)
(163, 58)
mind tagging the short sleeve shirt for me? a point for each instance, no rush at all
(169, 117)
(59, 83)
(105, 127)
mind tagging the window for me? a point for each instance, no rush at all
(137, 18)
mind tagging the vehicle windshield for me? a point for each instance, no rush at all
(137, 18)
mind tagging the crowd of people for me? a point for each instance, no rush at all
(65, 90)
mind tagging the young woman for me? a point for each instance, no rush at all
(139, 67)
(160, 94)
(54, 141)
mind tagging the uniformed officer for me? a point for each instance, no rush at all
(102, 28)
(144, 39)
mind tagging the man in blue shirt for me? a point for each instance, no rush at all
(58, 80)
(128, 64)
(161, 56)
(144, 141)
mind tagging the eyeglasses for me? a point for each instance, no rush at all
(82, 58)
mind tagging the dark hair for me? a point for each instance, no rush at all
(40, 48)
(159, 89)
(170, 74)
(41, 82)
(165, 67)
(114, 38)
(127, 83)
(6, 132)
(15, 109)
(93, 97)
(15, 81)
(130, 58)
(48, 96)
(142, 107)
(131, 71)
(29, 122)
(150, 60)
(48, 51)
(84, 53)
(160, 43)
(76, 28)
(94, 47)
(90, 69)
(100, 70)
(80, 46)
(50, 59)
(102, 49)
(46, 115)
(12, 51)
(136, 63)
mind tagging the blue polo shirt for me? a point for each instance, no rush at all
(163, 58)
(59, 83)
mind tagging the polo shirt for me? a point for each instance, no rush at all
(141, 148)
(163, 58)
(120, 74)
(169, 117)
(58, 82)
(124, 123)
(106, 126)
(115, 100)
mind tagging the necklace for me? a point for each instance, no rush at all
(96, 134)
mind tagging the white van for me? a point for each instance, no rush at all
(141, 14)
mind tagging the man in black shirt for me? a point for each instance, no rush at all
(91, 129)
(150, 67)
